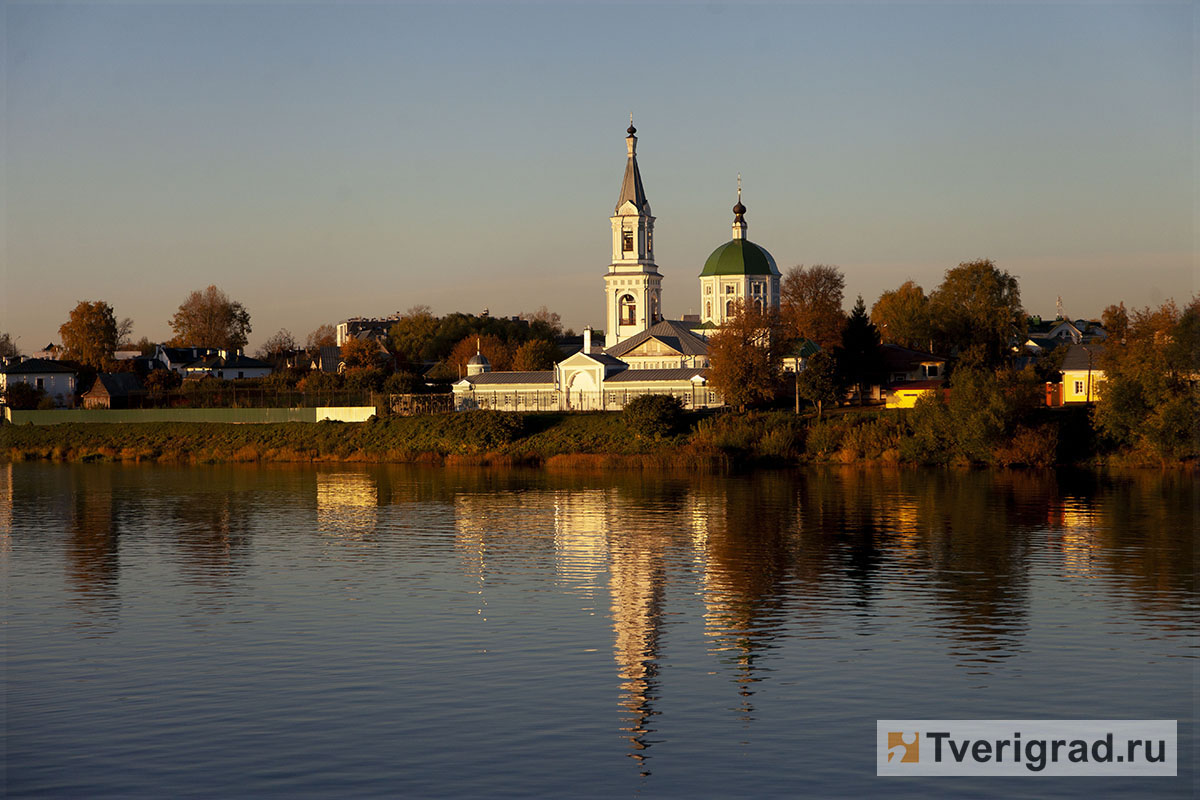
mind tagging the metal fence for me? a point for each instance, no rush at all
(608, 400)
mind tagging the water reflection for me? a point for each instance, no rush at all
(92, 560)
(347, 504)
(861, 558)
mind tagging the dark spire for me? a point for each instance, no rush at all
(631, 185)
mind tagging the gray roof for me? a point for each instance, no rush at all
(36, 366)
(1078, 355)
(673, 334)
(897, 358)
(117, 384)
(641, 375)
(492, 378)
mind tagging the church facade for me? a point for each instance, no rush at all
(643, 352)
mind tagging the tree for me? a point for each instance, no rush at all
(361, 353)
(125, 334)
(858, 358)
(411, 338)
(544, 323)
(902, 316)
(1149, 398)
(811, 303)
(653, 415)
(280, 345)
(89, 335)
(977, 307)
(210, 319)
(323, 336)
(818, 381)
(536, 354)
(1115, 320)
(494, 349)
(744, 356)
(145, 346)
(8, 347)
(158, 381)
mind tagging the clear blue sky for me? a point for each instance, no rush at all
(319, 161)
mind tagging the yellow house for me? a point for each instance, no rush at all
(905, 395)
(1082, 375)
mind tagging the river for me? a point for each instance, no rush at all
(224, 631)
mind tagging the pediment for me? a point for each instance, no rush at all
(652, 347)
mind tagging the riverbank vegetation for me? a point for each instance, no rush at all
(979, 429)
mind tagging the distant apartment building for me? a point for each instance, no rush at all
(365, 327)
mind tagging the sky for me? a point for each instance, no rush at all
(318, 161)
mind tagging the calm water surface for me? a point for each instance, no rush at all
(241, 631)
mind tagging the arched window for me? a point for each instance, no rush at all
(728, 308)
(708, 309)
(628, 310)
(758, 303)
(654, 309)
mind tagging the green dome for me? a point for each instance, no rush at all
(739, 257)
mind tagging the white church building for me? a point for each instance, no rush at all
(643, 353)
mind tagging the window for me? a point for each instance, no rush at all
(627, 241)
(708, 289)
(756, 288)
(729, 289)
(654, 309)
(1078, 387)
(708, 308)
(758, 303)
(931, 371)
(729, 308)
(649, 241)
(628, 310)
(41, 383)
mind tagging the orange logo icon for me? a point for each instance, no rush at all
(905, 745)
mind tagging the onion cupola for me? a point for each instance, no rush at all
(739, 256)
(737, 273)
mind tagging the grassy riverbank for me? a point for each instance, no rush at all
(1058, 436)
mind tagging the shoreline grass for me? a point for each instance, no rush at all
(561, 441)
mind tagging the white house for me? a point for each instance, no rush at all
(56, 379)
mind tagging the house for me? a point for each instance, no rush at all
(903, 364)
(905, 395)
(177, 358)
(56, 379)
(1062, 331)
(909, 374)
(113, 390)
(796, 358)
(1082, 375)
(227, 365)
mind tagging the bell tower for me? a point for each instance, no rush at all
(633, 286)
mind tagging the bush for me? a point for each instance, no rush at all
(824, 438)
(1028, 447)
(654, 415)
(488, 430)
(23, 396)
